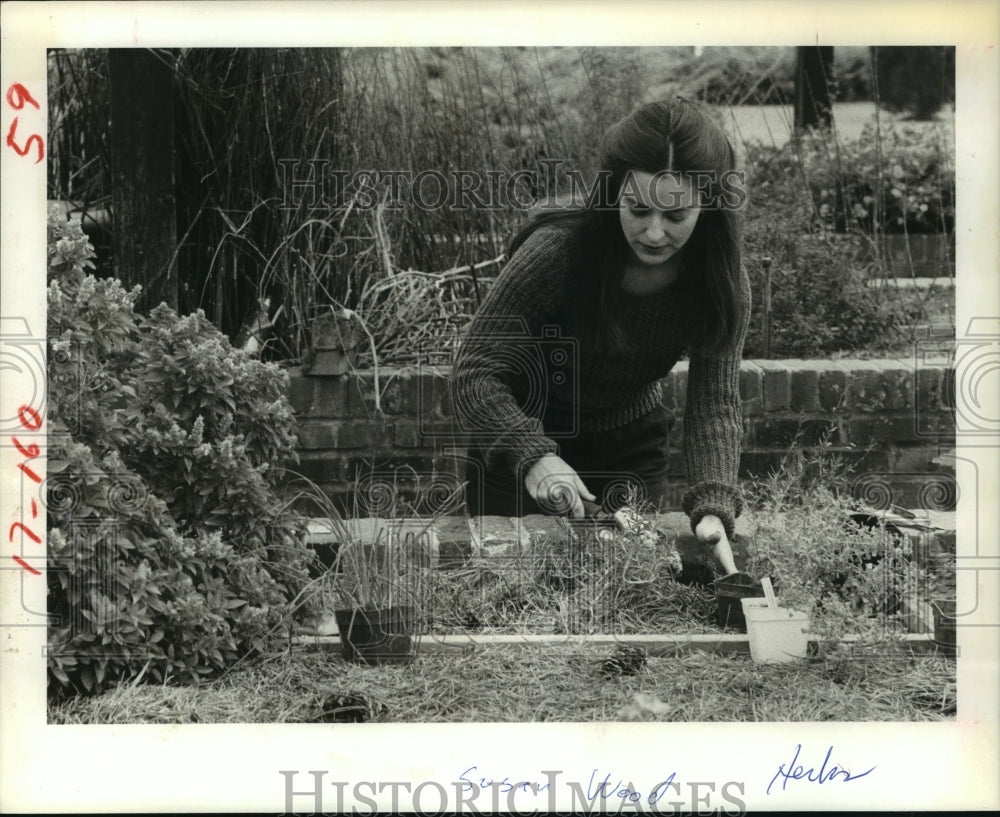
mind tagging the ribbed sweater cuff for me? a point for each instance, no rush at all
(713, 499)
(518, 457)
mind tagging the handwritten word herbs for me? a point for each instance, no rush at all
(826, 773)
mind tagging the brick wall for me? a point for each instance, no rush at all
(888, 418)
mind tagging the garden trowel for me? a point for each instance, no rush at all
(729, 594)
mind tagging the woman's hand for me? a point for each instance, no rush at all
(556, 487)
(711, 531)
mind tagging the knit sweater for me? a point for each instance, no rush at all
(515, 393)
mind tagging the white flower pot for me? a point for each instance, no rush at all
(776, 634)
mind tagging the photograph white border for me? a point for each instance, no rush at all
(236, 768)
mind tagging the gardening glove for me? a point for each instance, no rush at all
(710, 531)
(556, 487)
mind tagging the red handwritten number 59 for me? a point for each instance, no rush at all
(17, 96)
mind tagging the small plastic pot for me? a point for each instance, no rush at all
(377, 637)
(729, 593)
(777, 634)
(944, 626)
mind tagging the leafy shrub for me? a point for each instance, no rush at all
(899, 180)
(821, 302)
(852, 76)
(816, 207)
(765, 75)
(753, 76)
(171, 553)
(897, 68)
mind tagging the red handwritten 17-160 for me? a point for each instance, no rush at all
(17, 97)
(32, 421)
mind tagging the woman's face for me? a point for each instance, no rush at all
(658, 213)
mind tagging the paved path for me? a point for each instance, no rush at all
(914, 283)
(772, 124)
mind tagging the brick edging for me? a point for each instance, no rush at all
(888, 418)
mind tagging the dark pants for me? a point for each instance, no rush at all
(606, 461)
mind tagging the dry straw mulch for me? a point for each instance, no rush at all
(561, 684)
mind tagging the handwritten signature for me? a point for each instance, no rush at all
(826, 773)
(597, 787)
(503, 786)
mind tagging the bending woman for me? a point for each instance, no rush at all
(557, 380)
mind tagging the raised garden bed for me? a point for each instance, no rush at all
(497, 581)
(499, 674)
(930, 255)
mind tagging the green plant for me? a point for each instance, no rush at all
(754, 76)
(413, 316)
(849, 577)
(171, 552)
(380, 561)
(414, 273)
(896, 67)
(817, 475)
(251, 122)
(375, 575)
(624, 582)
(893, 179)
(818, 209)
(821, 301)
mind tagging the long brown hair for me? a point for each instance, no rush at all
(671, 135)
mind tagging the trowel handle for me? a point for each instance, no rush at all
(765, 582)
(722, 552)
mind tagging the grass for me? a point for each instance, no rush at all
(558, 684)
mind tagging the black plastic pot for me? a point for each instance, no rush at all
(324, 558)
(944, 626)
(730, 591)
(377, 637)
